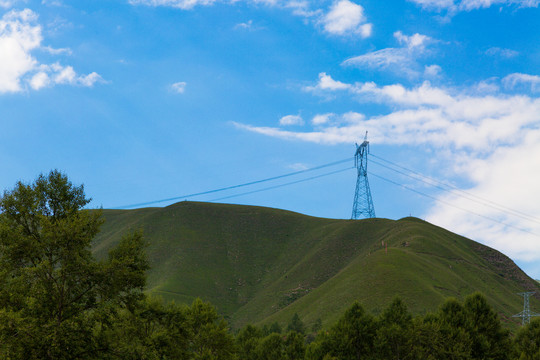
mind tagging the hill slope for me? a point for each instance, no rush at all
(263, 265)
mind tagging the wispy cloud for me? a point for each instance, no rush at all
(503, 53)
(179, 87)
(515, 80)
(469, 5)
(343, 18)
(402, 60)
(20, 35)
(181, 4)
(289, 120)
(58, 51)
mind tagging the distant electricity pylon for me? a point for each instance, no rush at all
(363, 204)
(526, 314)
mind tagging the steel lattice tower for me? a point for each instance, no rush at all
(363, 204)
(526, 314)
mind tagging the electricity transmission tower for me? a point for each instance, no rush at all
(363, 204)
(526, 314)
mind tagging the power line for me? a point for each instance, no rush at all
(468, 195)
(282, 185)
(235, 186)
(451, 205)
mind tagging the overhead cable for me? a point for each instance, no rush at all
(235, 186)
(371, 173)
(286, 184)
(454, 189)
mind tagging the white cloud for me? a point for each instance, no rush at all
(54, 51)
(321, 119)
(432, 70)
(181, 4)
(291, 120)
(401, 60)
(6, 4)
(499, 52)
(469, 5)
(416, 41)
(179, 87)
(327, 83)
(514, 80)
(247, 25)
(39, 80)
(298, 167)
(346, 18)
(20, 35)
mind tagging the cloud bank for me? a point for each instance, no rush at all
(20, 36)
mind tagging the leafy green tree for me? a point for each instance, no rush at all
(210, 337)
(317, 325)
(273, 328)
(527, 342)
(352, 337)
(392, 340)
(270, 347)
(453, 321)
(247, 340)
(151, 330)
(54, 296)
(489, 339)
(426, 341)
(294, 348)
(296, 324)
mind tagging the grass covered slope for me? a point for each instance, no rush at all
(263, 265)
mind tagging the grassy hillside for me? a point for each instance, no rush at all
(263, 265)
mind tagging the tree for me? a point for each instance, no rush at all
(270, 347)
(394, 330)
(246, 342)
(296, 324)
(454, 330)
(210, 337)
(489, 339)
(56, 300)
(151, 330)
(527, 342)
(294, 347)
(352, 337)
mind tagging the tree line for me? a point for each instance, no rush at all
(58, 302)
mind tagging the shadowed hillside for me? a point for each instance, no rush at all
(263, 265)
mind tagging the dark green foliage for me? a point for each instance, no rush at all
(270, 347)
(394, 331)
(273, 328)
(151, 330)
(527, 342)
(317, 325)
(247, 341)
(294, 348)
(53, 295)
(488, 339)
(210, 338)
(296, 324)
(351, 338)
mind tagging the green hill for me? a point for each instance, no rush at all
(262, 265)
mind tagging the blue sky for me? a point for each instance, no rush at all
(143, 100)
